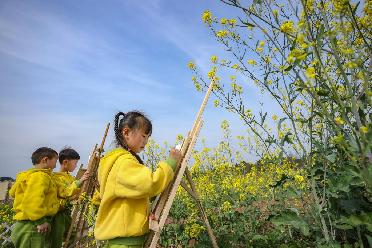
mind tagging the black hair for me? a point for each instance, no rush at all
(68, 154)
(41, 153)
(132, 120)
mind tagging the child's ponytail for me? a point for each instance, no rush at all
(117, 128)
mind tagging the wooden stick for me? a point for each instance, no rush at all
(201, 209)
(157, 225)
(164, 204)
(75, 217)
(87, 189)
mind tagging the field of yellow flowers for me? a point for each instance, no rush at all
(241, 199)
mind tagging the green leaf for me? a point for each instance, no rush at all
(291, 192)
(318, 113)
(288, 68)
(367, 177)
(281, 181)
(287, 138)
(331, 157)
(280, 122)
(369, 238)
(344, 226)
(322, 92)
(248, 24)
(259, 237)
(292, 219)
(358, 220)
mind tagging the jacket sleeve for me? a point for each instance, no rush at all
(69, 190)
(12, 190)
(33, 205)
(134, 180)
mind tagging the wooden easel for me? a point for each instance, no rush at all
(165, 201)
(87, 191)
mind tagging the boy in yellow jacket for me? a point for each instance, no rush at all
(68, 188)
(35, 201)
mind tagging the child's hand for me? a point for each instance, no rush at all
(43, 228)
(84, 176)
(176, 155)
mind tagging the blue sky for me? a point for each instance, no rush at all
(68, 66)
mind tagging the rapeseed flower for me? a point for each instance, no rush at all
(287, 27)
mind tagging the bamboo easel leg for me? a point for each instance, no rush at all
(194, 194)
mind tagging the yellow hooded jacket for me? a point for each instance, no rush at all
(35, 195)
(126, 187)
(67, 187)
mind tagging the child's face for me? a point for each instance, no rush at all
(136, 139)
(69, 164)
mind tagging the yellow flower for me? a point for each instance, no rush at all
(359, 41)
(223, 21)
(299, 178)
(225, 124)
(275, 117)
(340, 5)
(296, 54)
(287, 27)
(309, 5)
(259, 49)
(216, 103)
(197, 86)
(300, 102)
(351, 65)
(207, 17)
(347, 51)
(194, 230)
(318, 125)
(213, 59)
(314, 62)
(235, 66)
(301, 24)
(232, 22)
(191, 65)
(338, 139)
(339, 121)
(267, 59)
(252, 62)
(261, 43)
(226, 206)
(301, 41)
(364, 129)
(310, 72)
(212, 72)
(222, 33)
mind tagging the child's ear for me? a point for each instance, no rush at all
(125, 131)
(44, 160)
(64, 163)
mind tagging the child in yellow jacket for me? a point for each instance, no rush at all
(35, 201)
(68, 188)
(126, 185)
